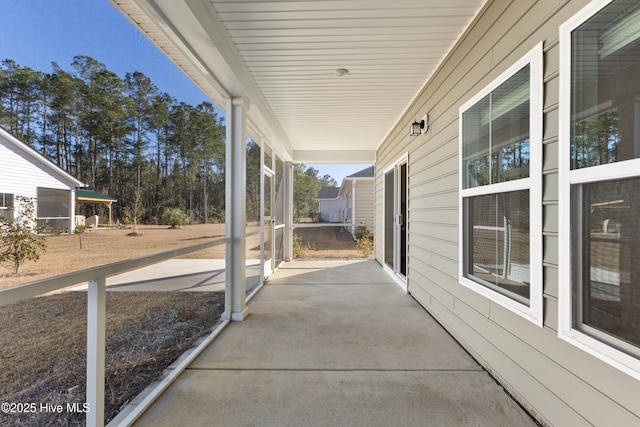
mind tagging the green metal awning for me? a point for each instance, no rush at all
(83, 195)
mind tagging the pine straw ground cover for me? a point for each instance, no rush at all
(43, 348)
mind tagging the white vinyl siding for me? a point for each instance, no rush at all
(22, 172)
(31, 176)
(331, 210)
(364, 201)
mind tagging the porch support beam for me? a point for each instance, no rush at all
(236, 151)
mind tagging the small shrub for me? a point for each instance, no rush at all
(174, 217)
(300, 247)
(361, 232)
(364, 245)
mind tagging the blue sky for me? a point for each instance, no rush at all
(35, 33)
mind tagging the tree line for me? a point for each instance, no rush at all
(119, 135)
(126, 138)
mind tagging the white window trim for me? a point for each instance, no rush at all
(533, 311)
(625, 169)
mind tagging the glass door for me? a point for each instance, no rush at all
(395, 221)
(402, 219)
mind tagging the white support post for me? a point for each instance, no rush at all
(353, 209)
(72, 211)
(288, 211)
(96, 314)
(236, 275)
(262, 242)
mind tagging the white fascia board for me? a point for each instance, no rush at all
(360, 178)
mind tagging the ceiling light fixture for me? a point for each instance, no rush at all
(341, 72)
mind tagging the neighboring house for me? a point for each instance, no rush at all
(25, 172)
(330, 205)
(358, 193)
(352, 203)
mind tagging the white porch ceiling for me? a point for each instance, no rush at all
(281, 55)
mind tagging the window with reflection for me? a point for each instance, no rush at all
(498, 243)
(605, 202)
(606, 236)
(496, 134)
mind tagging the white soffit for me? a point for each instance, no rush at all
(282, 56)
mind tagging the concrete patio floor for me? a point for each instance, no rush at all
(333, 343)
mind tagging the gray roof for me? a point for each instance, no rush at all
(328, 193)
(364, 173)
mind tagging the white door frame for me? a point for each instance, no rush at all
(398, 221)
(267, 264)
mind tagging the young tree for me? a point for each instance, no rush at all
(20, 241)
(136, 211)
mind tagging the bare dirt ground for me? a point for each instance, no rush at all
(327, 242)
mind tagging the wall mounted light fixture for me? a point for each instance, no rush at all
(419, 127)
(416, 128)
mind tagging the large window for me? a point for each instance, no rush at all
(600, 182)
(6, 204)
(500, 194)
(54, 208)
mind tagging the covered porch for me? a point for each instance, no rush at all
(332, 343)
